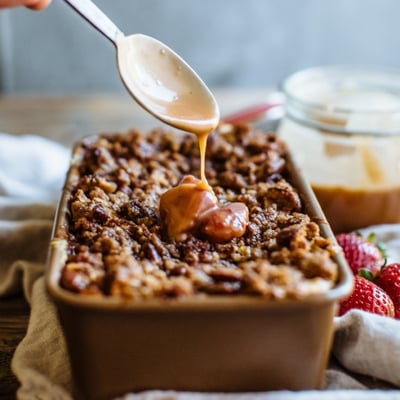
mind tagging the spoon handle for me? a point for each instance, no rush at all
(88, 10)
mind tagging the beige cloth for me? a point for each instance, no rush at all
(364, 343)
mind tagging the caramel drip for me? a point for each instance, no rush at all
(203, 146)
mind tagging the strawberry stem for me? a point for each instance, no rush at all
(367, 274)
(381, 247)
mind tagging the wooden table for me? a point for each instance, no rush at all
(66, 120)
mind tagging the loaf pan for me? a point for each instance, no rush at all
(215, 344)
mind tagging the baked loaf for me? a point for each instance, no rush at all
(115, 240)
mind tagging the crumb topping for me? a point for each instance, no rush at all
(116, 244)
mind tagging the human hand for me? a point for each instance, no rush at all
(32, 4)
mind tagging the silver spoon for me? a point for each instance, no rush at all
(156, 77)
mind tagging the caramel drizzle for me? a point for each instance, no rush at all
(203, 184)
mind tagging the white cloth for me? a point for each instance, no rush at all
(364, 343)
(31, 167)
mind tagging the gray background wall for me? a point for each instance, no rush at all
(242, 43)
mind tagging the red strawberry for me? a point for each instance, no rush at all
(368, 297)
(361, 253)
(389, 280)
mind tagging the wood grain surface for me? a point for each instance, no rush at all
(66, 119)
(14, 315)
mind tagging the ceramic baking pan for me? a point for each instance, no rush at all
(219, 344)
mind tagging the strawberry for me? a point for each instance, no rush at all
(361, 253)
(389, 280)
(368, 297)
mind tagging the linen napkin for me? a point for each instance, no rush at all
(366, 350)
(32, 170)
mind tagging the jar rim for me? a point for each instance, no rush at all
(327, 94)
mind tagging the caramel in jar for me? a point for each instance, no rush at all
(343, 126)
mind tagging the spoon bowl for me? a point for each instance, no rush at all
(157, 78)
(165, 85)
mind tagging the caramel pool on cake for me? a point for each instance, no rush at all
(249, 235)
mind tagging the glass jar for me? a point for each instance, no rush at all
(342, 125)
